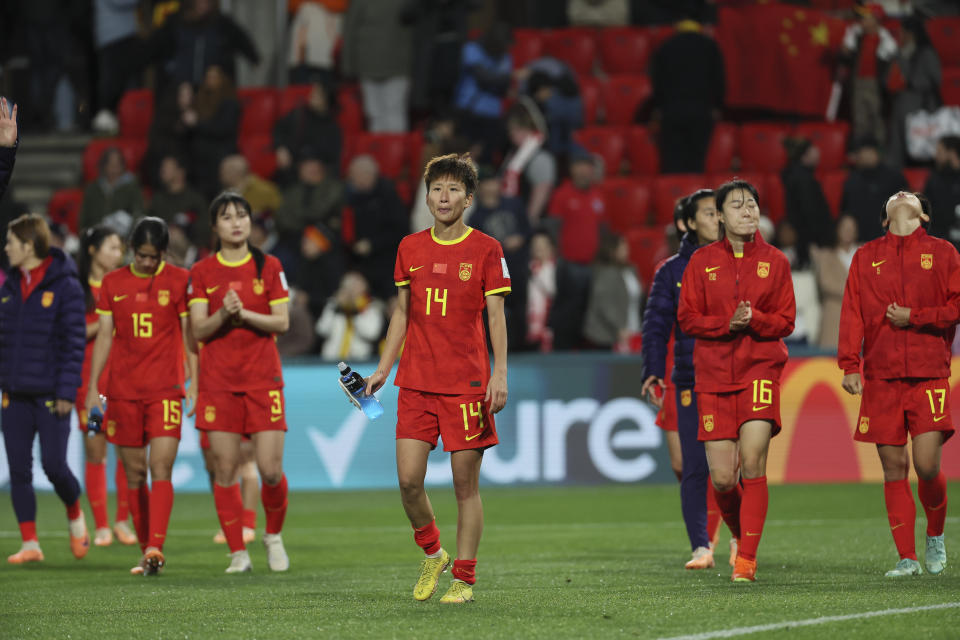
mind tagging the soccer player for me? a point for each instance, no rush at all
(446, 275)
(249, 486)
(238, 305)
(699, 213)
(736, 299)
(900, 307)
(41, 355)
(101, 251)
(143, 331)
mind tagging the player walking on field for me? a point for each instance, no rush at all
(737, 299)
(446, 276)
(238, 305)
(143, 330)
(900, 308)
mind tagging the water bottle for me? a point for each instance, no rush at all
(95, 419)
(354, 386)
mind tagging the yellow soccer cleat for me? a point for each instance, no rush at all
(744, 570)
(458, 593)
(429, 578)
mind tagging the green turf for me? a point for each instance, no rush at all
(555, 562)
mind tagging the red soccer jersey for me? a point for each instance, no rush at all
(146, 359)
(446, 348)
(92, 316)
(582, 213)
(239, 357)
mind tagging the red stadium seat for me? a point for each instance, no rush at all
(830, 138)
(259, 110)
(657, 35)
(624, 49)
(64, 207)
(832, 184)
(259, 152)
(575, 46)
(774, 200)
(135, 113)
(132, 149)
(627, 203)
(389, 149)
(667, 189)
(723, 145)
(607, 142)
(642, 152)
(350, 110)
(945, 35)
(527, 46)
(292, 97)
(646, 247)
(761, 147)
(916, 178)
(622, 94)
(950, 86)
(590, 93)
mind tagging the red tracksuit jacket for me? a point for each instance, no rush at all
(916, 271)
(713, 285)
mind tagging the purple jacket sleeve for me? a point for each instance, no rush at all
(72, 340)
(658, 319)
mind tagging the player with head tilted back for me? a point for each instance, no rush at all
(900, 308)
(446, 275)
(737, 299)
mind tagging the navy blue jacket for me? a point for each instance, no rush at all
(660, 318)
(7, 156)
(43, 337)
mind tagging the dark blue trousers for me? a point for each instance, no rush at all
(693, 481)
(23, 417)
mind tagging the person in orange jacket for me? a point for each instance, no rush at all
(900, 309)
(736, 299)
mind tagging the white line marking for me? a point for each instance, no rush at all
(742, 631)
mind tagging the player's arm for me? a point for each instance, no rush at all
(692, 311)
(658, 321)
(92, 329)
(850, 340)
(190, 352)
(396, 333)
(779, 322)
(98, 360)
(277, 321)
(945, 316)
(496, 397)
(202, 323)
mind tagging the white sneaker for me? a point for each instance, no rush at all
(239, 562)
(276, 554)
(105, 122)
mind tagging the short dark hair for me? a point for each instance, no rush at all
(105, 156)
(455, 166)
(951, 143)
(150, 230)
(735, 185)
(689, 204)
(31, 228)
(925, 207)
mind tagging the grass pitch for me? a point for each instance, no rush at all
(600, 562)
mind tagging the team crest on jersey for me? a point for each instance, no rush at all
(6, 401)
(686, 397)
(47, 299)
(708, 423)
(926, 261)
(763, 269)
(258, 286)
(466, 270)
(163, 297)
(864, 424)
(111, 428)
(210, 413)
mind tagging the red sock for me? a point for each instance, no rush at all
(161, 503)
(229, 509)
(73, 510)
(713, 513)
(95, 480)
(902, 514)
(428, 538)
(729, 504)
(140, 513)
(249, 518)
(753, 513)
(465, 570)
(120, 479)
(274, 500)
(933, 497)
(28, 531)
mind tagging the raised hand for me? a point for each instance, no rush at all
(8, 124)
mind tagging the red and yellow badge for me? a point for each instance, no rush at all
(926, 261)
(466, 270)
(864, 424)
(210, 413)
(111, 428)
(708, 423)
(258, 286)
(163, 297)
(763, 269)
(686, 397)
(47, 299)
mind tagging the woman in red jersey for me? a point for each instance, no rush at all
(736, 299)
(143, 330)
(238, 304)
(101, 251)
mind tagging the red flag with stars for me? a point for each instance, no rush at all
(779, 57)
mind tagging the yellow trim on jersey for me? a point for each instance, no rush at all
(402, 283)
(184, 314)
(104, 313)
(495, 291)
(147, 275)
(195, 300)
(279, 301)
(738, 255)
(94, 283)
(238, 263)
(445, 242)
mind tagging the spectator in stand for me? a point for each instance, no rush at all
(300, 339)
(485, 74)
(313, 123)
(807, 322)
(529, 170)
(943, 190)
(175, 197)
(352, 322)
(579, 206)
(541, 291)
(263, 195)
(807, 207)
(378, 50)
(114, 197)
(615, 307)
(313, 38)
(168, 130)
(321, 267)
(181, 250)
(832, 265)
(688, 90)
(379, 224)
(118, 51)
(914, 80)
(868, 186)
(868, 49)
(552, 85)
(598, 13)
(212, 125)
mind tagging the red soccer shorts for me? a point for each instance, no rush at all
(722, 414)
(667, 416)
(462, 421)
(892, 408)
(242, 412)
(133, 423)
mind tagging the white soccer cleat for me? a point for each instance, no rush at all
(936, 556)
(276, 554)
(905, 567)
(239, 562)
